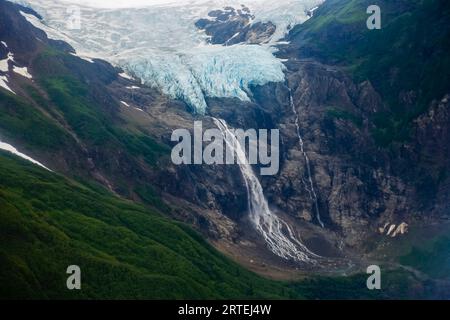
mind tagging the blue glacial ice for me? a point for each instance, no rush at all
(212, 71)
(157, 42)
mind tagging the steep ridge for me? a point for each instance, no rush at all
(123, 249)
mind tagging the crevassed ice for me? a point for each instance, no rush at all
(215, 72)
(159, 43)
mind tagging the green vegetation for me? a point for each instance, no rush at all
(94, 125)
(140, 145)
(93, 121)
(69, 95)
(407, 61)
(22, 121)
(149, 196)
(432, 259)
(395, 284)
(123, 249)
(65, 114)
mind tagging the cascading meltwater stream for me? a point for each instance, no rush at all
(276, 232)
(311, 191)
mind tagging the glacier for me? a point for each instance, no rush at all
(158, 43)
(7, 147)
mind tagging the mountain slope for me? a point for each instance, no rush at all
(92, 126)
(406, 61)
(126, 251)
(123, 249)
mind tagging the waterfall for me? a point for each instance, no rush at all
(309, 186)
(277, 233)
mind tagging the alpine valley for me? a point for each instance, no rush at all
(91, 92)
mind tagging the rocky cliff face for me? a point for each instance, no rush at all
(355, 186)
(363, 182)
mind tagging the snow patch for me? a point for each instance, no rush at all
(10, 148)
(126, 76)
(82, 57)
(392, 230)
(4, 65)
(4, 83)
(23, 72)
(127, 105)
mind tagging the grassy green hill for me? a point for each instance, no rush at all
(124, 250)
